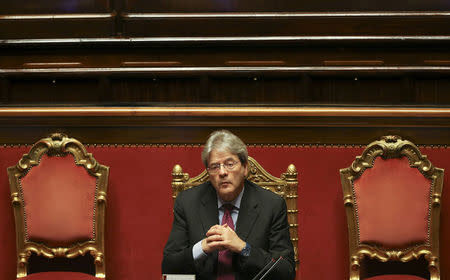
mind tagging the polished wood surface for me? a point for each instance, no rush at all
(168, 130)
(133, 71)
(373, 112)
(224, 85)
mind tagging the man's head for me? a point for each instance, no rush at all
(226, 159)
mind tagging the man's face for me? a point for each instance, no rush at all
(228, 183)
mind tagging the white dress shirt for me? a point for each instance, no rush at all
(197, 251)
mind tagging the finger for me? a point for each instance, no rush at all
(228, 233)
(230, 229)
(218, 245)
(213, 227)
(217, 248)
(214, 238)
(215, 230)
(221, 245)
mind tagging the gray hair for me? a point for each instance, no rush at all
(224, 140)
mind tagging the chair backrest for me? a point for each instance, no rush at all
(58, 193)
(392, 196)
(286, 186)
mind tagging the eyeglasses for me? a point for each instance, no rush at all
(215, 168)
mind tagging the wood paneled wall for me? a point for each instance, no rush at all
(275, 72)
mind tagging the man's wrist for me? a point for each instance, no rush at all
(197, 251)
(245, 252)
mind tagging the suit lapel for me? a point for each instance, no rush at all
(209, 213)
(248, 212)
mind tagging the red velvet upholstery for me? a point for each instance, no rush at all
(55, 217)
(140, 205)
(58, 275)
(383, 217)
(395, 277)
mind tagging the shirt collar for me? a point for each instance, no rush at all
(236, 202)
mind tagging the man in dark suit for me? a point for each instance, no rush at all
(228, 227)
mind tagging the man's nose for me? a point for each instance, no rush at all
(222, 170)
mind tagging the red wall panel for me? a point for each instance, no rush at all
(139, 212)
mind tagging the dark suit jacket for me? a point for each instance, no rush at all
(262, 222)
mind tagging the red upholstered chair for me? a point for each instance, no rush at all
(58, 193)
(392, 196)
(285, 186)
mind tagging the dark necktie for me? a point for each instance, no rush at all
(225, 259)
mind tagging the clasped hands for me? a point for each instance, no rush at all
(222, 237)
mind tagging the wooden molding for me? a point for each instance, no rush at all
(224, 112)
(226, 69)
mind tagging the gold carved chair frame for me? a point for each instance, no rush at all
(392, 147)
(59, 145)
(285, 186)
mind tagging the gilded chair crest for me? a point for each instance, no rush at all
(392, 196)
(58, 193)
(285, 186)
